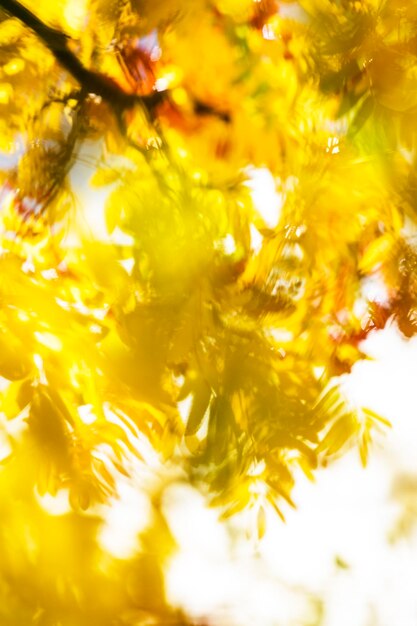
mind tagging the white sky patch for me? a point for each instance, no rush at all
(207, 578)
(161, 84)
(268, 201)
(125, 519)
(184, 408)
(91, 204)
(196, 577)
(56, 505)
(268, 32)
(50, 274)
(49, 341)
(281, 335)
(128, 264)
(360, 308)
(374, 289)
(386, 384)
(91, 201)
(5, 446)
(229, 244)
(200, 586)
(10, 158)
(38, 361)
(256, 239)
(86, 413)
(333, 145)
(194, 525)
(293, 11)
(120, 238)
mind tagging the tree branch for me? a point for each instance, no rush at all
(90, 81)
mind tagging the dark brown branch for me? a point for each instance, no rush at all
(201, 108)
(90, 81)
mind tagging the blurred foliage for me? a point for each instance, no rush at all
(194, 297)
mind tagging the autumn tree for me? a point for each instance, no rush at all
(181, 112)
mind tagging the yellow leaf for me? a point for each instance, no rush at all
(103, 177)
(15, 362)
(261, 522)
(376, 253)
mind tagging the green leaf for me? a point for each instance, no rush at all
(362, 114)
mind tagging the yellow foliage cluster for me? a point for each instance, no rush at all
(257, 160)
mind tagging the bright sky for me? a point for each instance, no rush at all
(348, 514)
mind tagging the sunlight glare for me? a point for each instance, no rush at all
(126, 517)
(55, 505)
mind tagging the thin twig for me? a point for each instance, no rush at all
(91, 81)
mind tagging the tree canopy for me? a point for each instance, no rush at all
(201, 336)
